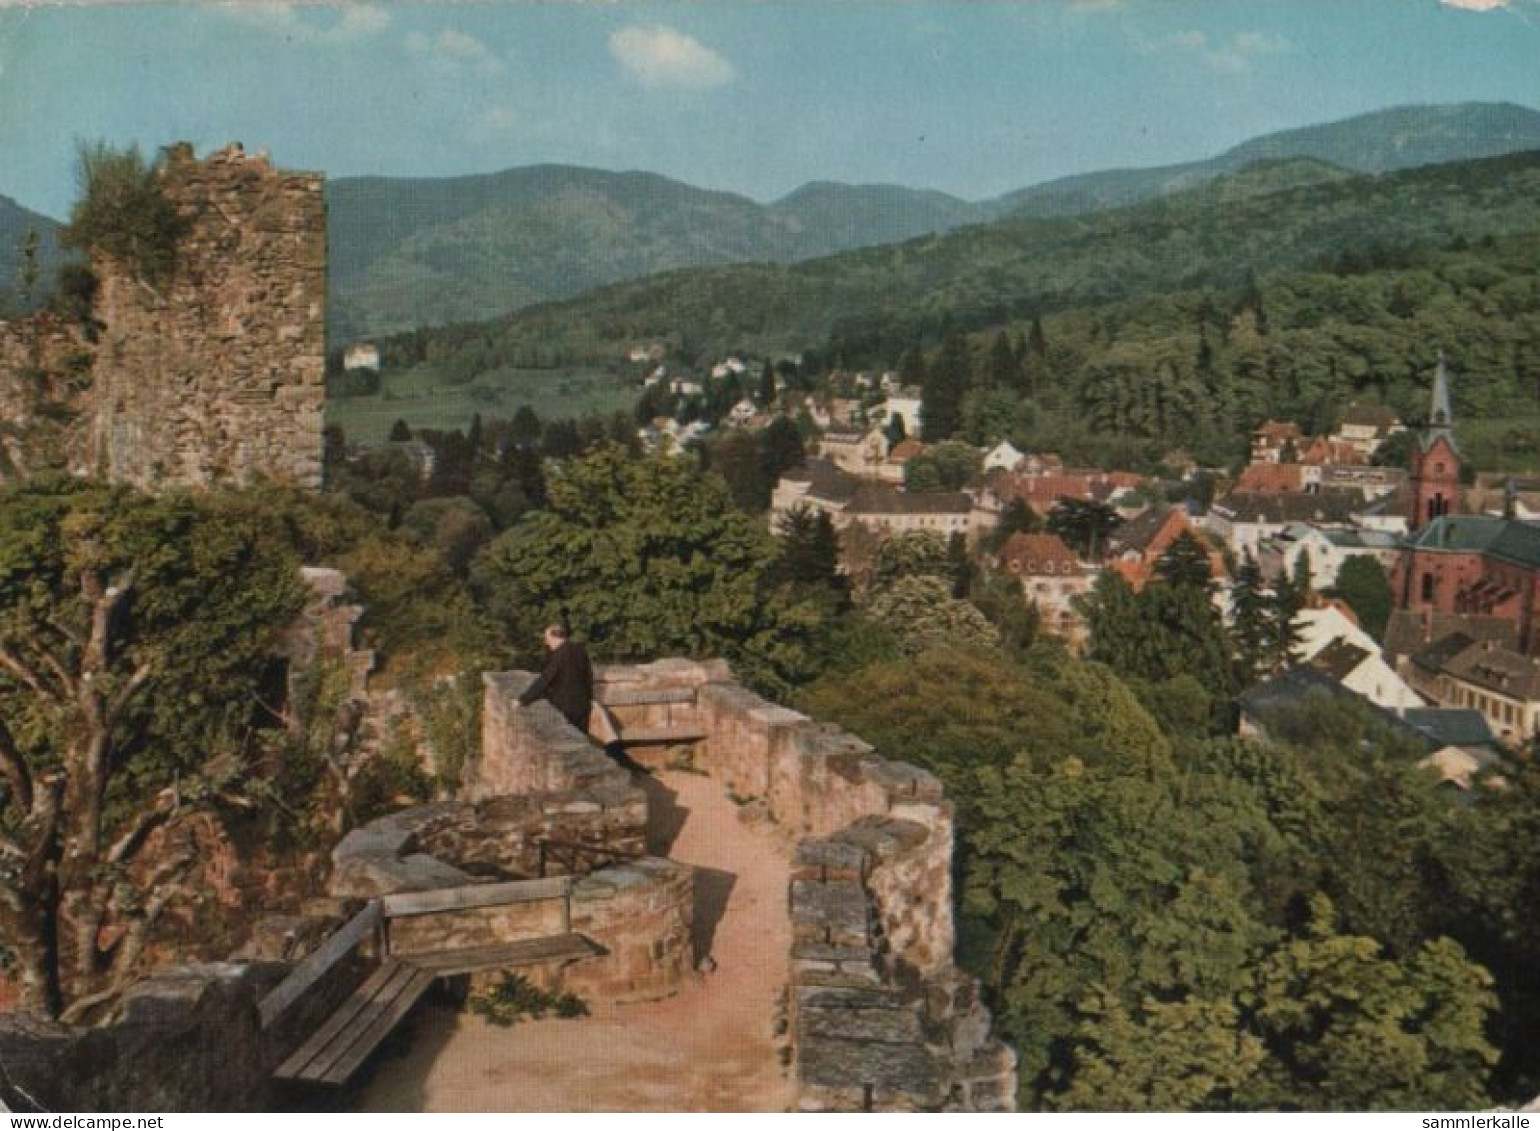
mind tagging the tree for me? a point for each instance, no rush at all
(1362, 583)
(766, 393)
(1186, 562)
(647, 558)
(400, 431)
(134, 635)
(809, 550)
(1085, 524)
(737, 458)
(915, 553)
(780, 447)
(950, 375)
(122, 212)
(947, 466)
(1016, 517)
(1253, 632)
(1002, 367)
(921, 613)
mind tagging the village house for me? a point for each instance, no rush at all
(1245, 521)
(361, 355)
(892, 469)
(1329, 548)
(1274, 439)
(1365, 427)
(1374, 482)
(905, 402)
(1051, 578)
(1003, 456)
(1362, 668)
(1271, 479)
(1504, 685)
(879, 507)
(855, 451)
(1135, 547)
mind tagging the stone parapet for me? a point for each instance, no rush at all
(641, 913)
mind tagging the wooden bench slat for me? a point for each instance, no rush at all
(526, 952)
(641, 736)
(360, 1023)
(388, 1017)
(332, 1028)
(474, 895)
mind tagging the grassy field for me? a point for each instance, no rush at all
(418, 397)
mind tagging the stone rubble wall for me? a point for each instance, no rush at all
(217, 375)
(44, 367)
(528, 750)
(880, 1017)
(189, 1039)
(641, 913)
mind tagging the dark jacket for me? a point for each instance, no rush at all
(568, 682)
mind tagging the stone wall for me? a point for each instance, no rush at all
(217, 375)
(44, 371)
(641, 913)
(881, 1018)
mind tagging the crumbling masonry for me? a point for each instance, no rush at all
(215, 375)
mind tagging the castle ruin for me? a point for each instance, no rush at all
(215, 375)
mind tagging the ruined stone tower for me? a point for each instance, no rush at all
(217, 376)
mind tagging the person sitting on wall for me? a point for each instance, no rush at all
(567, 681)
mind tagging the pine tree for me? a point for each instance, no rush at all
(1185, 562)
(946, 384)
(766, 395)
(1001, 368)
(1253, 630)
(399, 432)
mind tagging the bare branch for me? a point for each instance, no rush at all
(14, 664)
(127, 692)
(167, 802)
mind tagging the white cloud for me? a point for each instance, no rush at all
(453, 51)
(350, 22)
(659, 56)
(1476, 5)
(1231, 56)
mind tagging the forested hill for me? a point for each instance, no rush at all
(869, 305)
(1383, 141)
(408, 253)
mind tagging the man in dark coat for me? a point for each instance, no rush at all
(568, 679)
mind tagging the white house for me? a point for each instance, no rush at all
(905, 402)
(1003, 455)
(1329, 550)
(361, 355)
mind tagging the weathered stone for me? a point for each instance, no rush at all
(829, 912)
(908, 1069)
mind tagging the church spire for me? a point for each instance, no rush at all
(1442, 418)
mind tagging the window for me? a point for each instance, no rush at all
(1427, 587)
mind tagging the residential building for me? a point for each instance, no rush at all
(1361, 668)
(1366, 427)
(1504, 685)
(1274, 439)
(1135, 547)
(361, 355)
(1329, 549)
(1051, 578)
(859, 452)
(1245, 520)
(1003, 456)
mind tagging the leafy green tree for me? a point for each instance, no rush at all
(647, 558)
(399, 431)
(1363, 584)
(737, 458)
(921, 613)
(134, 635)
(947, 466)
(1349, 1029)
(915, 553)
(1016, 517)
(1253, 631)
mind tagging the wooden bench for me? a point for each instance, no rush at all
(340, 1046)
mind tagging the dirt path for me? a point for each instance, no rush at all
(710, 1048)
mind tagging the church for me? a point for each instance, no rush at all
(1458, 563)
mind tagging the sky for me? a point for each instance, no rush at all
(973, 98)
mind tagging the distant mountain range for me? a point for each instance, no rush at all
(414, 252)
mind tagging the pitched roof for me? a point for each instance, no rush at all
(1271, 478)
(905, 449)
(1381, 417)
(1279, 430)
(1452, 726)
(1027, 553)
(1409, 632)
(1440, 652)
(880, 498)
(1339, 659)
(826, 480)
(1502, 538)
(1500, 670)
(1323, 506)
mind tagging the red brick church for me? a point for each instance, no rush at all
(1454, 562)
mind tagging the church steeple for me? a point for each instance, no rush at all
(1435, 470)
(1441, 419)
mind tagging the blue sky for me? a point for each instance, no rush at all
(972, 98)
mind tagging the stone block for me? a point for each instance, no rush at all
(829, 912)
